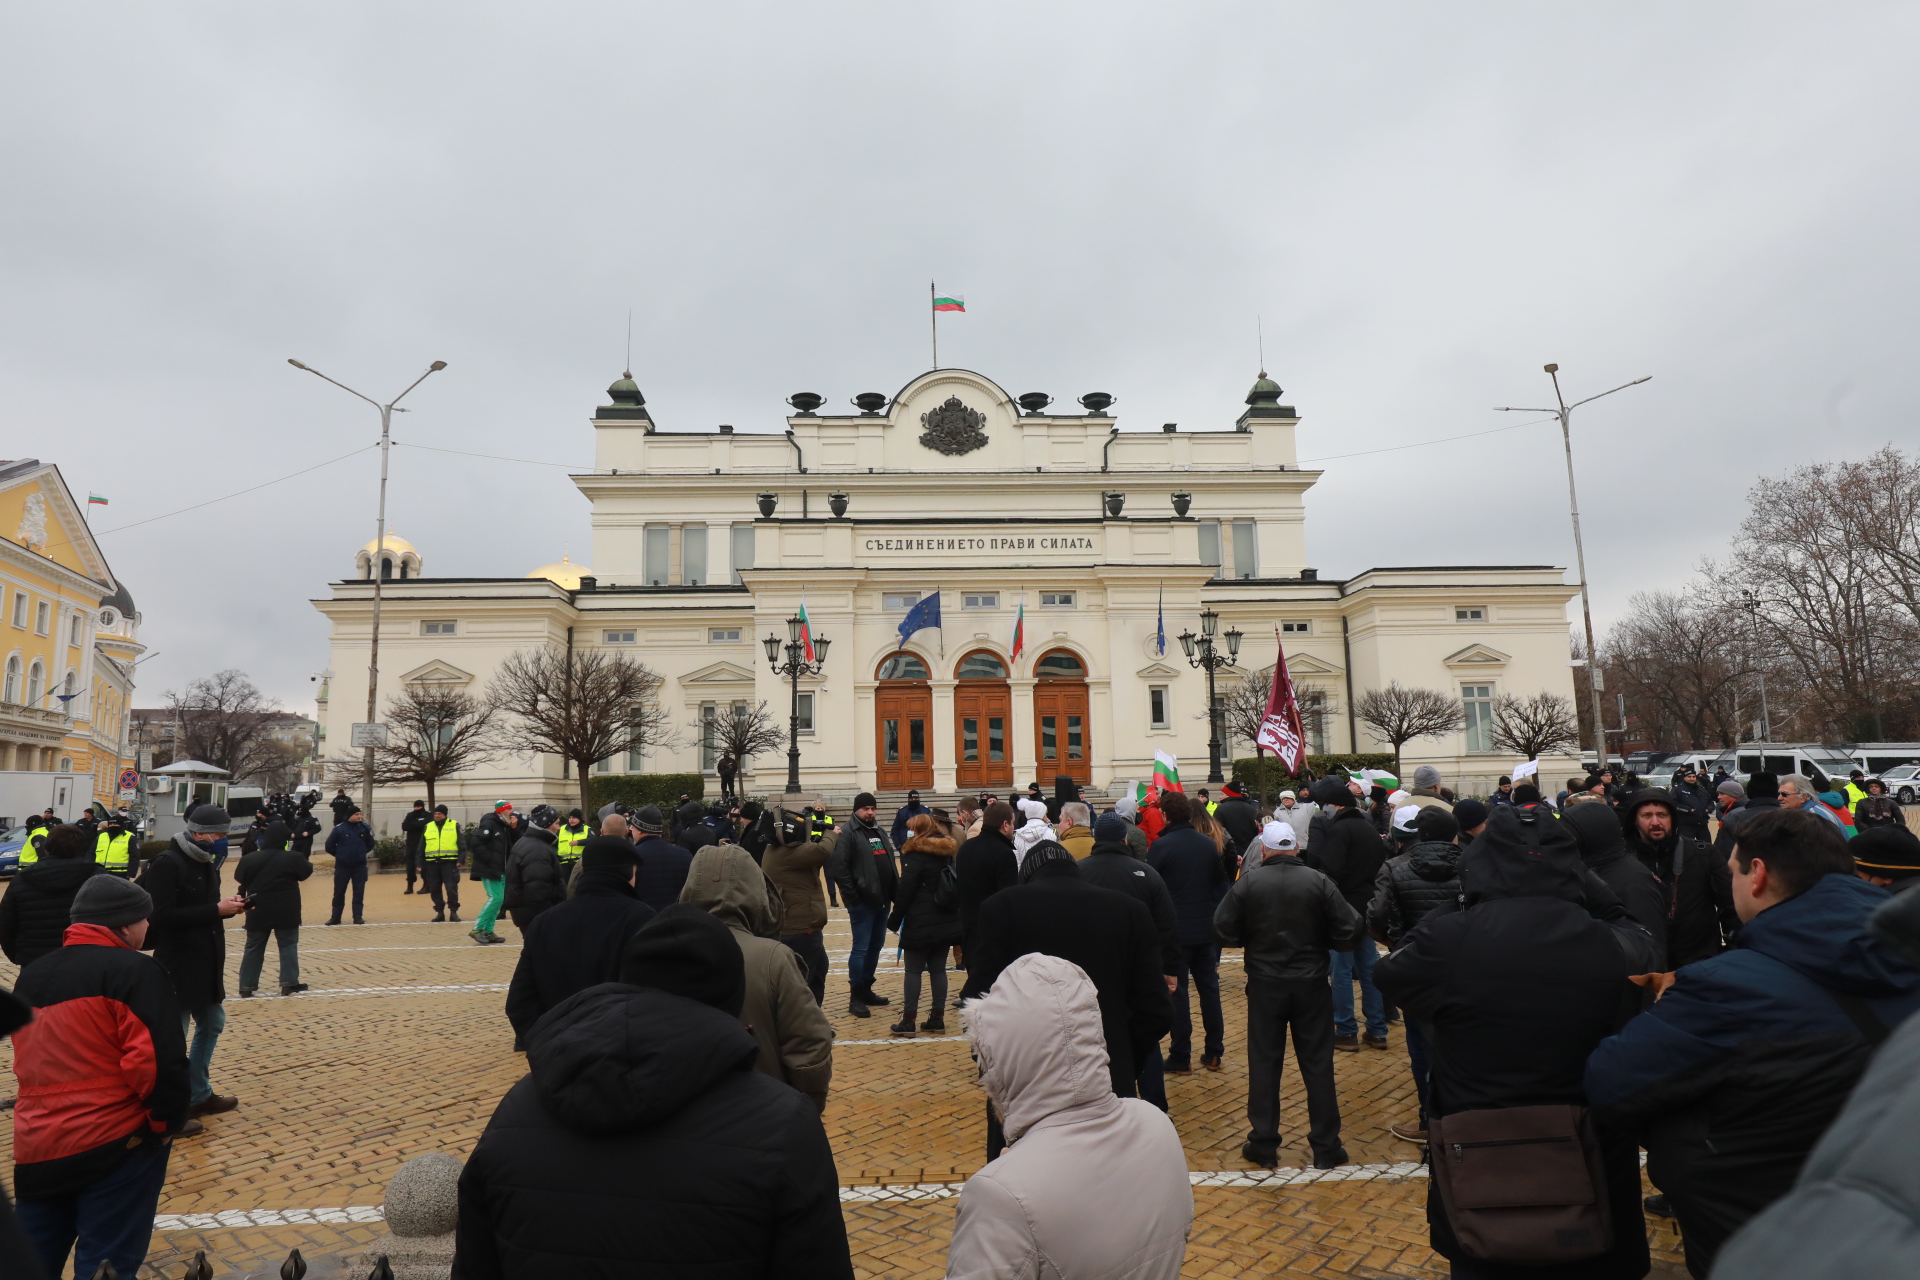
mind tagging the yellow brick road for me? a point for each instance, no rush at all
(401, 1048)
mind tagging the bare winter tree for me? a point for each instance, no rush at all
(223, 719)
(433, 732)
(583, 705)
(277, 765)
(1536, 726)
(1396, 715)
(744, 731)
(1242, 709)
(1681, 659)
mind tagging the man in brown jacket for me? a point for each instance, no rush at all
(793, 860)
(1076, 829)
(795, 1039)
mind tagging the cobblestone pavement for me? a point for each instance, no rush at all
(401, 1049)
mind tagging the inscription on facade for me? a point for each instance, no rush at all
(1051, 542)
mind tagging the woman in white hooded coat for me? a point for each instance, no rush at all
(1092, 1186)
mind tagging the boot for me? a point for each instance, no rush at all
(904, 1028)
(454, 915)
(440, 917)
(934, 1022)
(858, 1007)
(872, 997)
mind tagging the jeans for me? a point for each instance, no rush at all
(110, 1220)
(1347, 967)
(496, 896)
(811, 947)
(1199, 961)
(1422, 1062)
(254, 958)
(342, 877)
(202, 1028)
(443, 874)
(869, 939)
(933, 961)
(1303, 1007)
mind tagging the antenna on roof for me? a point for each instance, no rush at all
(1260, 336)
(629, 365)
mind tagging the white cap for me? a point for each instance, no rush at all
(1279, 835)
(1288, 795)
(1399, 798)
(1031, 808)
(1404, 817)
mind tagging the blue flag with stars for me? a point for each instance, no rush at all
(923, 615)
(1160, 625)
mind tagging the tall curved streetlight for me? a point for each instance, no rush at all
(1201, 653)
(793, 668)
(379, 555)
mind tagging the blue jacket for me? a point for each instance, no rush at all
(1745, 1061)
(350, 843)
(1196, 881)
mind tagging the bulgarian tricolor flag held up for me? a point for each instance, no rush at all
(1166, 773)
(1019, 643)
(949, 302)
(806, 631)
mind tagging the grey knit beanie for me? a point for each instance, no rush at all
(110, 901)
(1426, 776)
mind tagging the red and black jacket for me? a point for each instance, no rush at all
(102, 1067)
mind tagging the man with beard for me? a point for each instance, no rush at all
(1696, 888)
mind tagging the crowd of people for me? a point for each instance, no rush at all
(1703, 971)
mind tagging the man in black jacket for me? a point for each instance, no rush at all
(1238, 816)
(269, 878)
(188, 938)
(489, 845)
(535, 880)
(578, 944)
(411, 828)
(1604, 850)
(1289, 918)
(644, 1090)
(341, 806)
(1112, 865)
(350, 843)
(1190, 865)
(864, 867)
(1696, 888)
(33, 915)
(1350, 853)
(985, 864)
(1519, 986)
(1109, 935)
(663, 864)
(1693, 805)
(1413, 885)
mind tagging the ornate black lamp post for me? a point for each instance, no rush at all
(793, 668)
(1201, 653)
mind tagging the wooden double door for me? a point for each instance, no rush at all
(982, 724)
(904, 734)
(1060, 727)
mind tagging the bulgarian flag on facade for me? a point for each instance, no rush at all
(948, 302)
(806, 631)
(1019, 629)
(95, 500)
(1166, 773)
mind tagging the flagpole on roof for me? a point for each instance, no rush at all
(934, 312)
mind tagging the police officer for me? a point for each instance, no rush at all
(113, 847)
(440, 863)
(573, 838)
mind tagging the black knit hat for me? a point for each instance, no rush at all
(686, 952)
(865, 800)
(1042, 853)
(110, 901)
(648, 820)
(1889, 852)
(609, 853)
(1110, 827)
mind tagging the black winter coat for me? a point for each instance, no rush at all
(350, 843)
(574, 946)
(700, 1168)
(863, 864)
(535, 880)
(489, 844)
(1112, 865)
(1196, 881)
(36, 911)
(1350, 853)
(185, 932)
(1605, 852)
(1421, 880)
(1287, 916)
(1240, 818)
(1110, 936)
(921, 922)
(663, 871)
(271, 879)
(412, 825)
(1693, 806)
(984, 866)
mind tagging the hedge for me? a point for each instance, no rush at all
(1246, 771)
(636, 789)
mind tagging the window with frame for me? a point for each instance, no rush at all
(1472, 613)
(1246, 550)
(36, 683)
(636, 756)
(1210, 543)
(437, 627)
(42, 618)
(1296, 628)
(12, 690)
(693, 554)
(806, 713)
(1313, 715)
(654, 557)
(1056, 599)
(20, 609)
(709, 736)
(617, 637)
(722, 635)
(1477, 699)
(742, 550)
(899, 599)
(1157, 707)
(73, 631)
(980, 600)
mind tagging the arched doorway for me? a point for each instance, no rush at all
(982, 713)
(1060, 717)
(903, 723)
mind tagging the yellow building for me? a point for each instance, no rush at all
(68, 639)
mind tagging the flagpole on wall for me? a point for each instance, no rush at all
(934, 313)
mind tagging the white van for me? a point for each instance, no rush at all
(1826, 766)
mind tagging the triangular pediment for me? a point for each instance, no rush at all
(41, 515)
(1300, 664)
(1477, 655)
(1156, 671)
(719, 673)
(437, 672)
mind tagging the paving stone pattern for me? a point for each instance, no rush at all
(401, 1049)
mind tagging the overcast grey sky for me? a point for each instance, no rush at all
(1424, 202)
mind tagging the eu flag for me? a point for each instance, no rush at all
(923, 615)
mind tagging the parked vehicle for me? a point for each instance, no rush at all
(1878, 757)
(1903, 783)
(1826, 766)
(12, 840)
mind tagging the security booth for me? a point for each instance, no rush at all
(175, 789)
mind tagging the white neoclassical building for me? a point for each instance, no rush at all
(706, 542)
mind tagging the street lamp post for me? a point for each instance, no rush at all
(1201, 652)
(1564, 413)
(793, 668)
(1751, 603)
(379, 556)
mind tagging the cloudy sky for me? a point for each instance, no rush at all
(1422, 203)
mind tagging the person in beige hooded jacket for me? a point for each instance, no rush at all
(795, 1039)
(1093, 1186)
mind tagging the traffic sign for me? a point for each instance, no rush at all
(368, 735)
(129, 780)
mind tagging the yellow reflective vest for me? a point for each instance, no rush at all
(440, 841)
(113, 852)
(572, 840)
(30, 850)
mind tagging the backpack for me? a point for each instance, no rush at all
(946, 887)
(1522, 1186)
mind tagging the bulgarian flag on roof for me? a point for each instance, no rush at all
(949, 302)
(806, 631)
(95, 500)
(1166, 773)
(1019, 629)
